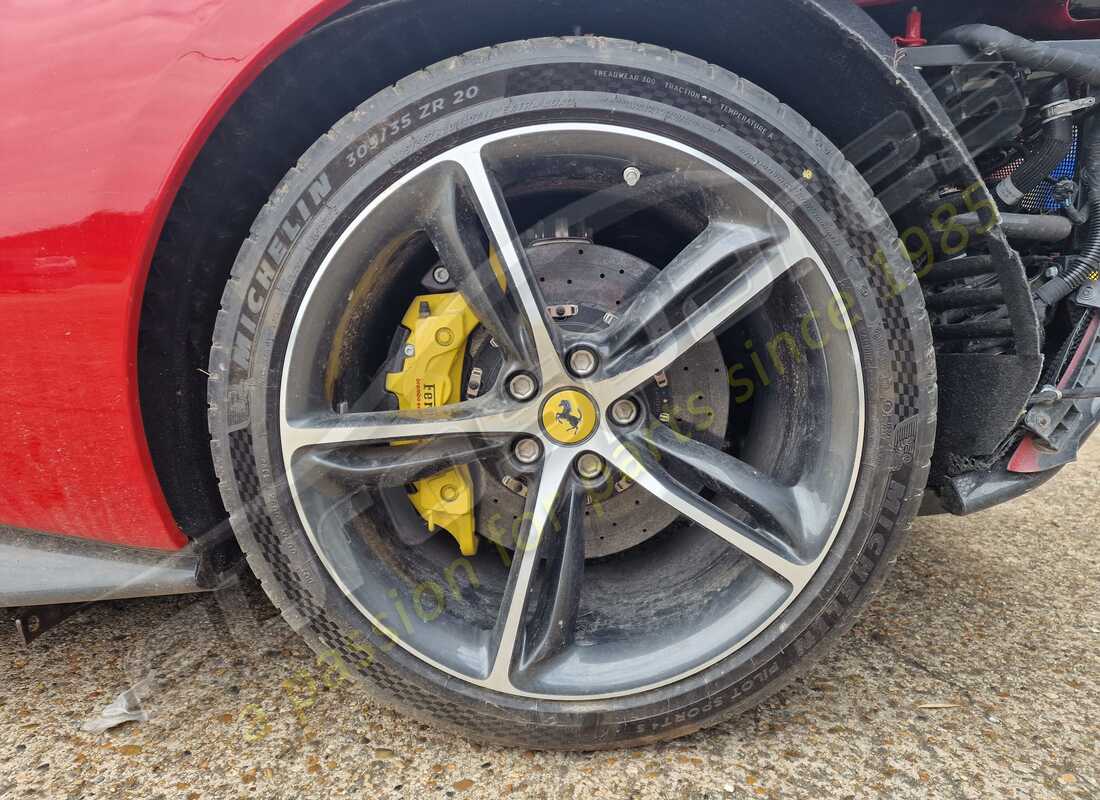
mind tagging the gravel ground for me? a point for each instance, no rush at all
(976, 673)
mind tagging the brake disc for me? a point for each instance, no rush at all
(447, 357)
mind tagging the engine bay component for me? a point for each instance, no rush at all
(438, 326)
(1050, 150)
(1036, 55)
(1027, 227)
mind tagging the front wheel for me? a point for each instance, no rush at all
(572, 393)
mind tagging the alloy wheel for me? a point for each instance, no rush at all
(734, 542)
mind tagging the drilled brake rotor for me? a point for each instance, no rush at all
(582, 284)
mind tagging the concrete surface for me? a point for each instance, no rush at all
(976, 673)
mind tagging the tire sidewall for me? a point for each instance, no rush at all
(584, 80)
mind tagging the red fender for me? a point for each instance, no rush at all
(106, 106)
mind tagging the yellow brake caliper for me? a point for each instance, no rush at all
(438, 326)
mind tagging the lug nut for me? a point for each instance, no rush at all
(441, 275)
(582, 362)
(522, 386)
(631, 176)
(527, 450)
(624, 411)
(589, 465)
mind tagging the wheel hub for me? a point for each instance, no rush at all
(569, 416)
(584, 285)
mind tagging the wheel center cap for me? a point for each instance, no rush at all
(569, 416)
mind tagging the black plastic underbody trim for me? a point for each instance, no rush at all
(41, 569)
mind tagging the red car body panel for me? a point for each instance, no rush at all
(106, 105)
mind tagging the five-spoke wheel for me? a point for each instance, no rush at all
(571, 393)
